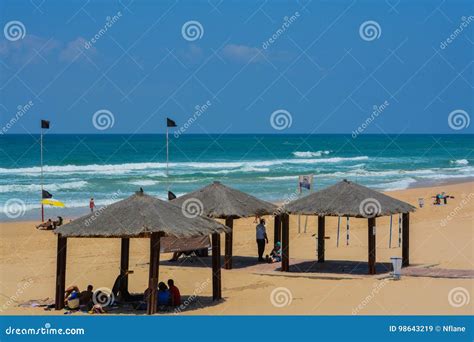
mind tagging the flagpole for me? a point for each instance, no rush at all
(41, 161)
(167, 157)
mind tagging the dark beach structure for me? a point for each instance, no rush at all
(347, 199)
(139, 216)
(221, 202)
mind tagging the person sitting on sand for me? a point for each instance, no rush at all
(116, 289)
(72, 301)
(58, 223)
(275, 254)
(174, 293)
(48, 225)
(164, 297)
(86, 297)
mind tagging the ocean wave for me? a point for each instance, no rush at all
(397, 185)
(131, 167)
(460, 162)
(37, 187)
(144, 182)
(309, 154)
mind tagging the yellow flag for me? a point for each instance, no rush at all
(52, 202)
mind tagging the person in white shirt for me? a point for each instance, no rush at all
(261, 239)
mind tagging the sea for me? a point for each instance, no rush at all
(111, 167)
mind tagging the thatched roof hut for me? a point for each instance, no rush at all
(221, 202)
(138, 216)
(348, 199)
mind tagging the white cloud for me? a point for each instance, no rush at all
(242, 53)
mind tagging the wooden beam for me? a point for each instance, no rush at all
(285, 242)
(124, 264)
(60, 272)
(371, 236)
(277, 230)
(406, 240)
(216, 267)
(321, 235)
(229, 222)
(154, 271)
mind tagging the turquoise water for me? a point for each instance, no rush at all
(110, 167)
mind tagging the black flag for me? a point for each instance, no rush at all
(45, 124)
(170, 123)
(46, 194)
(171, 196)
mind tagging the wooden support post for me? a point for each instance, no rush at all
(216, 267)
(154, 271)
(277, 230)
(371, 230)
(285, 242)
(60, 272)
(229, 222)
(406, 240)
(321, 235)
(124, 264)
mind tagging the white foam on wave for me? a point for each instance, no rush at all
(460, 162)
(144, 182)
(397, 185)
(309, 154)
(37, 187)
(110, 169)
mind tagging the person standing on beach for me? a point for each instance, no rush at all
(261, 239)
(91, 205)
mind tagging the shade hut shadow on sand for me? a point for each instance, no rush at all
(139, 216)
(350, 200)
(222, 202)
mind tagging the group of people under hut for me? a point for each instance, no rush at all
(95, 302)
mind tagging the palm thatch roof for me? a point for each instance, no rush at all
(219, 201)
(138, 216)
(348, 199)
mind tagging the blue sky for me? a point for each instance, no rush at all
(321, 69)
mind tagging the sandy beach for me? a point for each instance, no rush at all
(441, 237)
